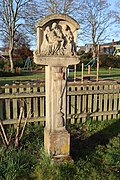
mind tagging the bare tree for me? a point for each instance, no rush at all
(25, 13)
(117, 12)
(21, 38)
(12, 18)
(43, 8)
(59, 6)
(95, 19)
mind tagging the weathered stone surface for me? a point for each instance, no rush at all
(56, 41)
(55, 60)
(57, 143)
(54, 17)
(55, 98)
(62, 158)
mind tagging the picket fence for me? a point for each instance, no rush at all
(95, 101)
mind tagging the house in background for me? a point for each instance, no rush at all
(87, 48)
(112, 48)
(4, 53)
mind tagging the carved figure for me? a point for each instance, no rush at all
(52, 41)
(57, 47)
(58, 40)
(45, 47)
(70, 44)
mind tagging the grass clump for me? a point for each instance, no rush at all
(19, 163)
(46, 169)
(15, 164)
(96, 149)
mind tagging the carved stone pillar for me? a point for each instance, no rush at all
(57, 51)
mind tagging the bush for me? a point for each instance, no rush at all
(107, 61)
(85, 58)
(19, 163)
(6, 74)
(19, 63)
(2, 64)
(15, 164)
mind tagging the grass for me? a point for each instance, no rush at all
(95, 148)
(25, 76)
(113, 74)
(19, 163)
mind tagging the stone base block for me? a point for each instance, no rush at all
(60, 159)
(57, 143)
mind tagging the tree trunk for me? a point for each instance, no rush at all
(11, 59)
(94, 51)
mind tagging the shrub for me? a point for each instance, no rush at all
(45, 169)
(106, 60)
(19, 63)
(15, 164)
(109, 61)
(2, 64)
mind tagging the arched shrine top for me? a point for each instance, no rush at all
(52, 17)
(56, 40)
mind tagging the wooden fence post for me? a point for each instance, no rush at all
(7, 102)
(98, 63)
(15, 109)
(1, 106)
(82, 72)
(74, 72)
(35, 101)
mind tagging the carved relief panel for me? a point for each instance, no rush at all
(58, 39)
(57, 36)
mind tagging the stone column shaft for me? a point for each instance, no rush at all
(55, 97)
(56, 137)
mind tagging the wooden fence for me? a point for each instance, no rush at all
(95, 101)
(31, 96)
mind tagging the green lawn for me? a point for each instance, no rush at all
(113, 74)
(95, 149)
(104, 74)
(26, 76)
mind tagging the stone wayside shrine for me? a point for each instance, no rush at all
(56, 49)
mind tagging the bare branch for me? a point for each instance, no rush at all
(25, 123)
(4, 134)
(4, 142)
(18, 127)
(95, 18)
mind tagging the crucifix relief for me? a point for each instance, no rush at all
(56, 49)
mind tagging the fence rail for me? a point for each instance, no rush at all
(95, 101)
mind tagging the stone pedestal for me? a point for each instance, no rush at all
(57, 143)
